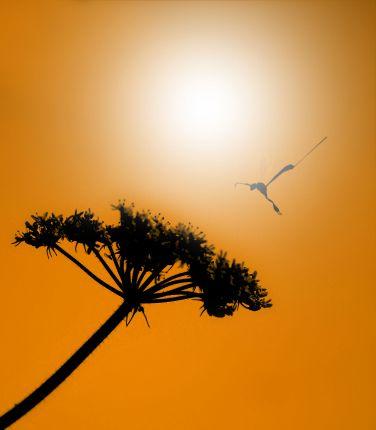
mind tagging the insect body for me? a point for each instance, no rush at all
(263, 188)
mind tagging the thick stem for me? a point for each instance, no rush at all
(22, 408)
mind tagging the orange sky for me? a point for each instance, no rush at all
(85, 120)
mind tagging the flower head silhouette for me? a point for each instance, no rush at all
(149, 261)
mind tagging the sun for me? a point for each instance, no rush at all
(199, 103)
(202, 105)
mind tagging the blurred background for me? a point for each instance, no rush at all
(167, 104)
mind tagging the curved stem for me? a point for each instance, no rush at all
(114, 259)
(108, 269)
(150, 279)
(144, 273)
(135, 273)
(178, 290)
(22, 408)
(141, 277)
(87, 271)
(174, 299)
(161, 286)
(169, 279)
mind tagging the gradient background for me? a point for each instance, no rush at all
(84, 123)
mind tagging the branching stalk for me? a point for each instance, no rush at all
(170, 278)
(135, 273)
(115, 260)
(174, 291)
(87, 271)
(108, 269)
(174, 299)
(127, 276)
(154, 274)
(163, 285)
(142, 276)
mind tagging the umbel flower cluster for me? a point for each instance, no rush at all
(149, 260)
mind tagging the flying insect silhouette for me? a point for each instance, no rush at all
(263, 188)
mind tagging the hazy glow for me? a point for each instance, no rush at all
(202, 103)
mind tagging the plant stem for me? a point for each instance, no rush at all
(163, 285)
(108, 269)
(47, 387)
(184, 288)
(127, 276)
(114, 259)
(134, 277)
(87, 271)
(187, 295)
(178, 275)
(141, 277)
(154, 274)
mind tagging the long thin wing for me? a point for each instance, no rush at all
(241, 183)
(285, 169)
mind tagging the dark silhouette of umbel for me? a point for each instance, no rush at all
(263, 188)
(137, 253)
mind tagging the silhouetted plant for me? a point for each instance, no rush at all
(138, 253)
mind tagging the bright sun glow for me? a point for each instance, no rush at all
(198, 104)
(203, 106)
